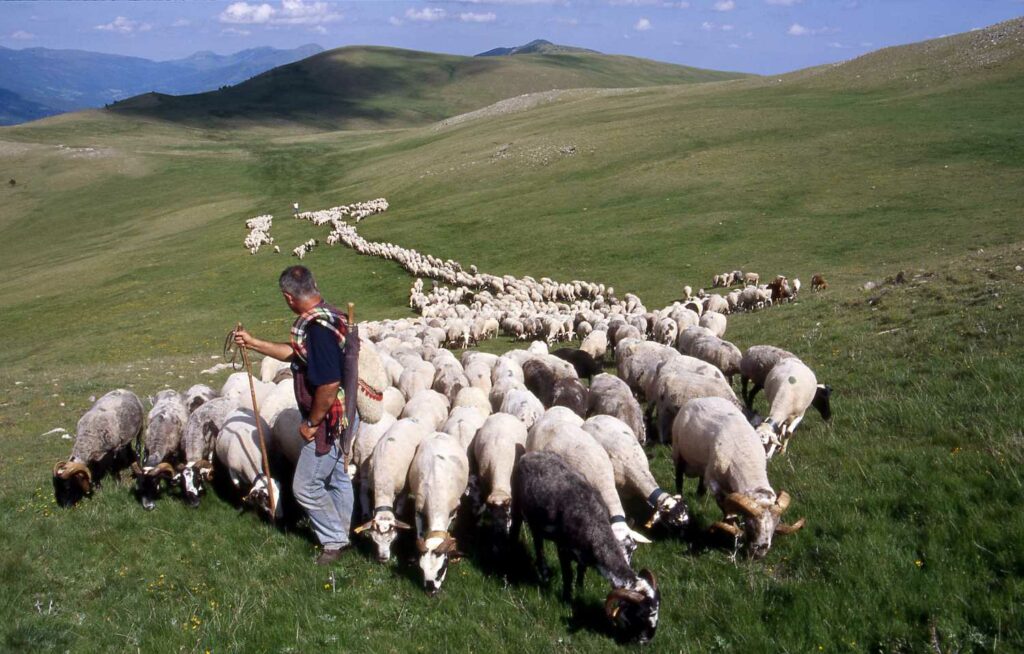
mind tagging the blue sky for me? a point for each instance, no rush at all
(759, 36)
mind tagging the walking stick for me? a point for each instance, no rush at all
(351, 321)
(259, 429)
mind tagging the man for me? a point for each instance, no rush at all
(318, 336)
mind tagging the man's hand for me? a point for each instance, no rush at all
(243, 338)
(308, 433)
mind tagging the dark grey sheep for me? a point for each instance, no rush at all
(583, 362)
(572, 394)
(559, 505)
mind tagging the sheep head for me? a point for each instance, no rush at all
(671, 510)
(762, 517)
(435, 552)
(192, 478)
(72, 481)
(148, 482)
(259, 496)
(634, 610)
(382, 530)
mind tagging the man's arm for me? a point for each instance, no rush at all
(322, 401)
(281, 351)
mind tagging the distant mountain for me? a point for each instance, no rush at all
(15, 109)
(43, 82)
(369, 87)
(538, 46)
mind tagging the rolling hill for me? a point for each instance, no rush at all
(537, 46)
(57, 81)
(384, 87)
(121, 265)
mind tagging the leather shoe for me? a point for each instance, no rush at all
(327, 557)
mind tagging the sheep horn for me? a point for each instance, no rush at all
(732, 530)
(781, 503)
(783, 528)
(162, 469)
(205, 469)
(421, 545)
(447, 546)
(67, 469)
(137, 469)
(738, 502)
(363, 527)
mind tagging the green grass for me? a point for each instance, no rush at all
(127, 269)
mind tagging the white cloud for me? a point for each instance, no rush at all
(123, 25)
(243, 13)
(318, 29)
(571, 22)
(664, 4)
(838, 45)
(642, 25)
(22, 35)
(734, 46)
(290, 12)
(724, 5)
(181, 22)
(796, 29)
(234, 31)
(470, 17)
(708, 26)
(425, 15)
(396, 21)
(783, 3)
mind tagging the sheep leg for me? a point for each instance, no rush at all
(543, 571)
(565, 560)
(744, 380)
(753, 393)
(680, 467)
(581, 571)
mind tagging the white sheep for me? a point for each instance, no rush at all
(437, 479)
(755, 365)
(633, 476)
(389, 470)
(430, 407)
(238, 451)
(498, 445)
(791, 388)
(522, 404)
(609, 395)
(712, 440)
(715, 322)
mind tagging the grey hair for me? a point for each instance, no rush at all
(298, 282)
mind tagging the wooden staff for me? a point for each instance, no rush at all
(259, 429)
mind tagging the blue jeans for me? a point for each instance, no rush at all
(322, 487)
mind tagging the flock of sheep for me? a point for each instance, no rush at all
(491, 441)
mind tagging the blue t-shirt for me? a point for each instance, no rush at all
(323, 356)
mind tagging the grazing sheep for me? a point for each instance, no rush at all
(393, 401)
(161, 447)
(595, 344)
(103, 442)
(500, 389)
(714, 322)
(437, 479)
(610, 396)
(498, 445)
(522, 404)
(463, 423)
(796, 287)
(581, 452)
(689, 336)
(197, 395)
(755, 365)
(389, 470)
(237, 388)
(675, 387)
(716, 303)
(368, 434)
(712, 440)
(473, 397)
(558, 504)
(718, 352)
(586, 366)
(540, 379)
(818, 282)
(478, 373)
(572, 394)
(198, 440)
(633, 472)
(751, 279)
(430, 407)
(417, 376)
(271, 368)
(791, 388)
(238, 451)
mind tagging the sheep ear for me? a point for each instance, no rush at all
(402, 525)
(363, 527)
(640, 538)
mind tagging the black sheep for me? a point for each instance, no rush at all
(558, 504)
(585, 365)
(572, 394)
(540, 379)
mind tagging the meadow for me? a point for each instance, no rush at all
(121, 265)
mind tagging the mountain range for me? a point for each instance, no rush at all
(38, 82)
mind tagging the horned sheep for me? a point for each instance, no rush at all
(161, 447)
(103, 442)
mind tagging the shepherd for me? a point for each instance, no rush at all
(323, 351)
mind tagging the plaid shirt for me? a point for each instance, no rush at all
(336, 420)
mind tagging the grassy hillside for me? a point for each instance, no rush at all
(120, 248)
(373, 86)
